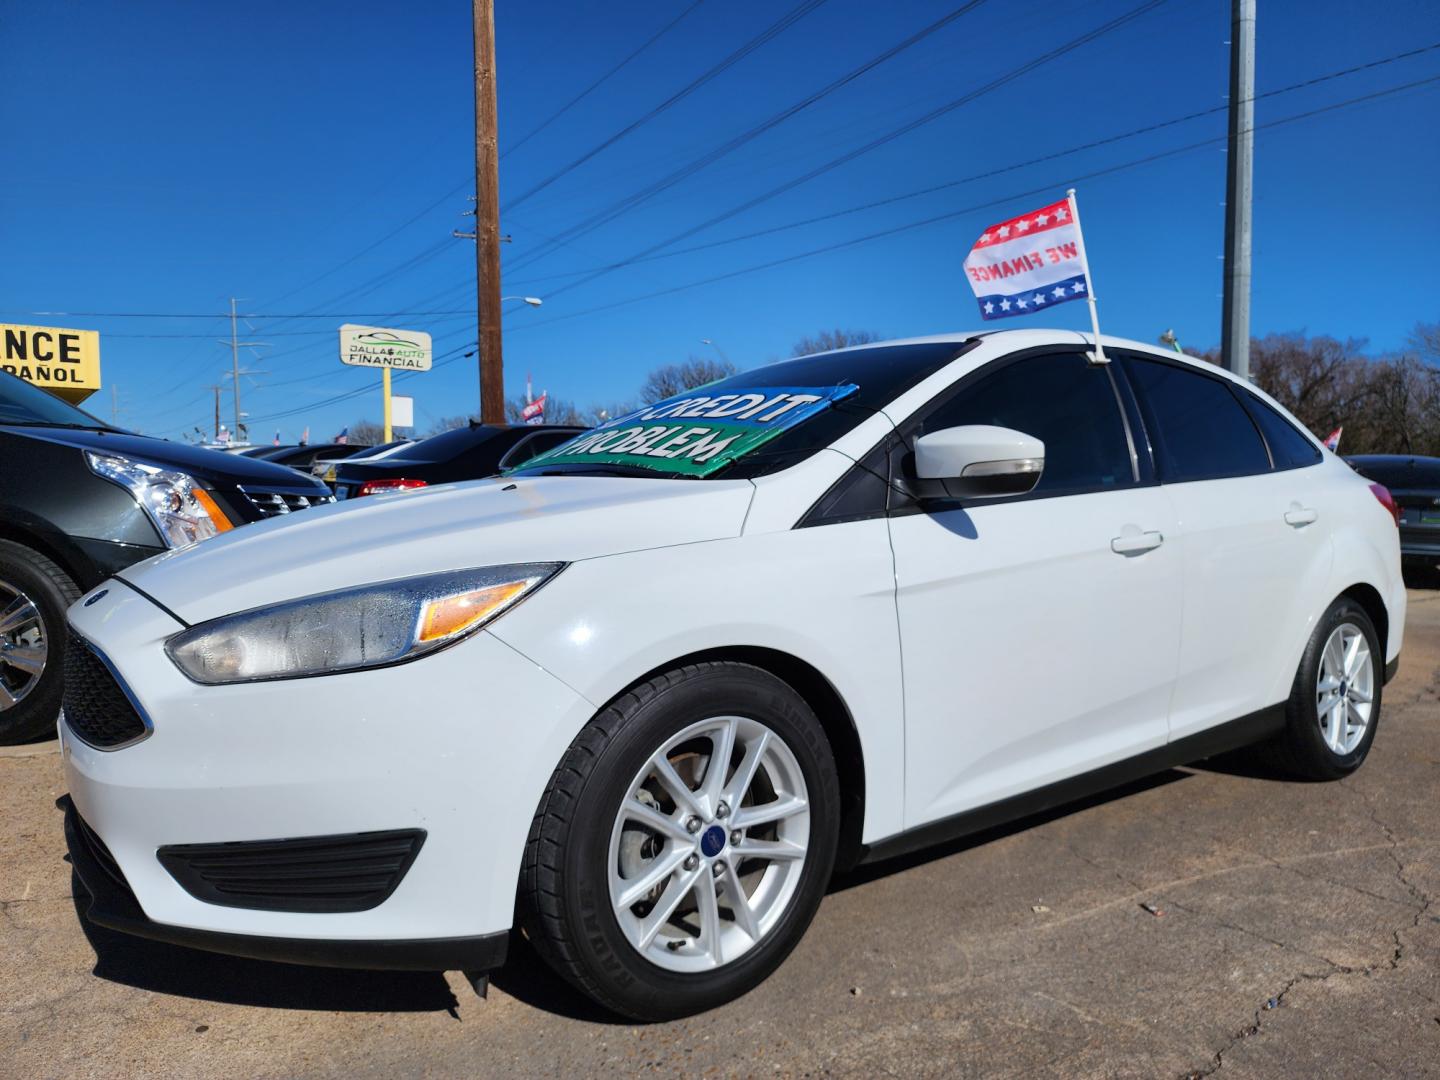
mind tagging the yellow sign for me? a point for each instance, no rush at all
(65, 362)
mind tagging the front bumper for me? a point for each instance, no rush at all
(114, 906)
(459, 744)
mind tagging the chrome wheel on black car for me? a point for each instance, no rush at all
(34, 593)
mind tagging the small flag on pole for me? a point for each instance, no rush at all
(305, 436)
(277, 437)
(343, 438)
(1032, 262)
(534, 411)
(1332, 441)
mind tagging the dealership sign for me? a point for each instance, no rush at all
(375, 346)
(65, 362)
(696, 433)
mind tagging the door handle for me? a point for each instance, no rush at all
(1137, 542)
(1300, 516)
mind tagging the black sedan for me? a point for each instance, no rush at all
(1414, 484)
(467, 453)
(303, 457)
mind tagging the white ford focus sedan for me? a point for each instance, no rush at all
(648, 692)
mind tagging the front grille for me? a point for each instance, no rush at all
(97, 709)
(274, 503)
(349, 872)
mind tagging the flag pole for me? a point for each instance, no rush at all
(1099, 356)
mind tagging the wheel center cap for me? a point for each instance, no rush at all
(712, 841)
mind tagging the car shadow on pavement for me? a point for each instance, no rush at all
(527, 978)
(173, 969)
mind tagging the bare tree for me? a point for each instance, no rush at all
(829, 340)
(450, 423)
(365, 433)
(674, 379)
(557, 411)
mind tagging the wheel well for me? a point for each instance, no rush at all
(28, 539)
(1368, 597)
(834, 717)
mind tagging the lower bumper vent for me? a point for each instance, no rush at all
(349, 872)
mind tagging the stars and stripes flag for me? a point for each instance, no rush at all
(1029, 263)
(1332, 441)
(534, 411)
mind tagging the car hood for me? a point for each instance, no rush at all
(210, 466)
(429, 530)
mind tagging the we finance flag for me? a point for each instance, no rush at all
(1029, 263)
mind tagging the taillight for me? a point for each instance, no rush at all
(399, 483)
(1381, 492)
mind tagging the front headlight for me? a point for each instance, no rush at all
(356, 628)
(182, 510)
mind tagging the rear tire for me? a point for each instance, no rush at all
(34, 593)
(1334, 706)
(610, 824)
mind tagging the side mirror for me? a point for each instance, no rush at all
(977, 461)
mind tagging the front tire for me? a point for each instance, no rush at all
(34, 593)
(1334, 705)
(661, 886)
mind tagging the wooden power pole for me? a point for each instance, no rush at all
(487, 219)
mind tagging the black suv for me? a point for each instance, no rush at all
(467, 453)
(80, 500)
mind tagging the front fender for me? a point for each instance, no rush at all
(824, 595)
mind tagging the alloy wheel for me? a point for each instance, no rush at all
(1345, 689)
(23, 647)
(709, 844)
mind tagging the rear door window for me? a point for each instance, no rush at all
(1198, 427)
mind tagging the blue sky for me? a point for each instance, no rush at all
(314, 158)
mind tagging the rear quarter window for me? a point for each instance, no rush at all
(1288, 448)
(1198, 427)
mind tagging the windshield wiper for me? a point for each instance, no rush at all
(59, 424)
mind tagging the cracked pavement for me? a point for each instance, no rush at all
(1211, 920)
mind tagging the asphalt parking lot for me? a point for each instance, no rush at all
(1211, 919)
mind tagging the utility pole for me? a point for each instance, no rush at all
(235, 366)
(236, 370)
(114, 404)
(487, 218)
(1235, 316)
(217, 390)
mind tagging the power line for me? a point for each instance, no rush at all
(598, 82)
(449, 195)
(953, 214)
(988, 174)
(895, 133)
(633, 200)
(774, 30)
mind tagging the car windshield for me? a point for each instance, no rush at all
(21, 403)
(1400, 473)
(816, 400)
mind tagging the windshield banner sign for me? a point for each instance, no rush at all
(695, 433)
